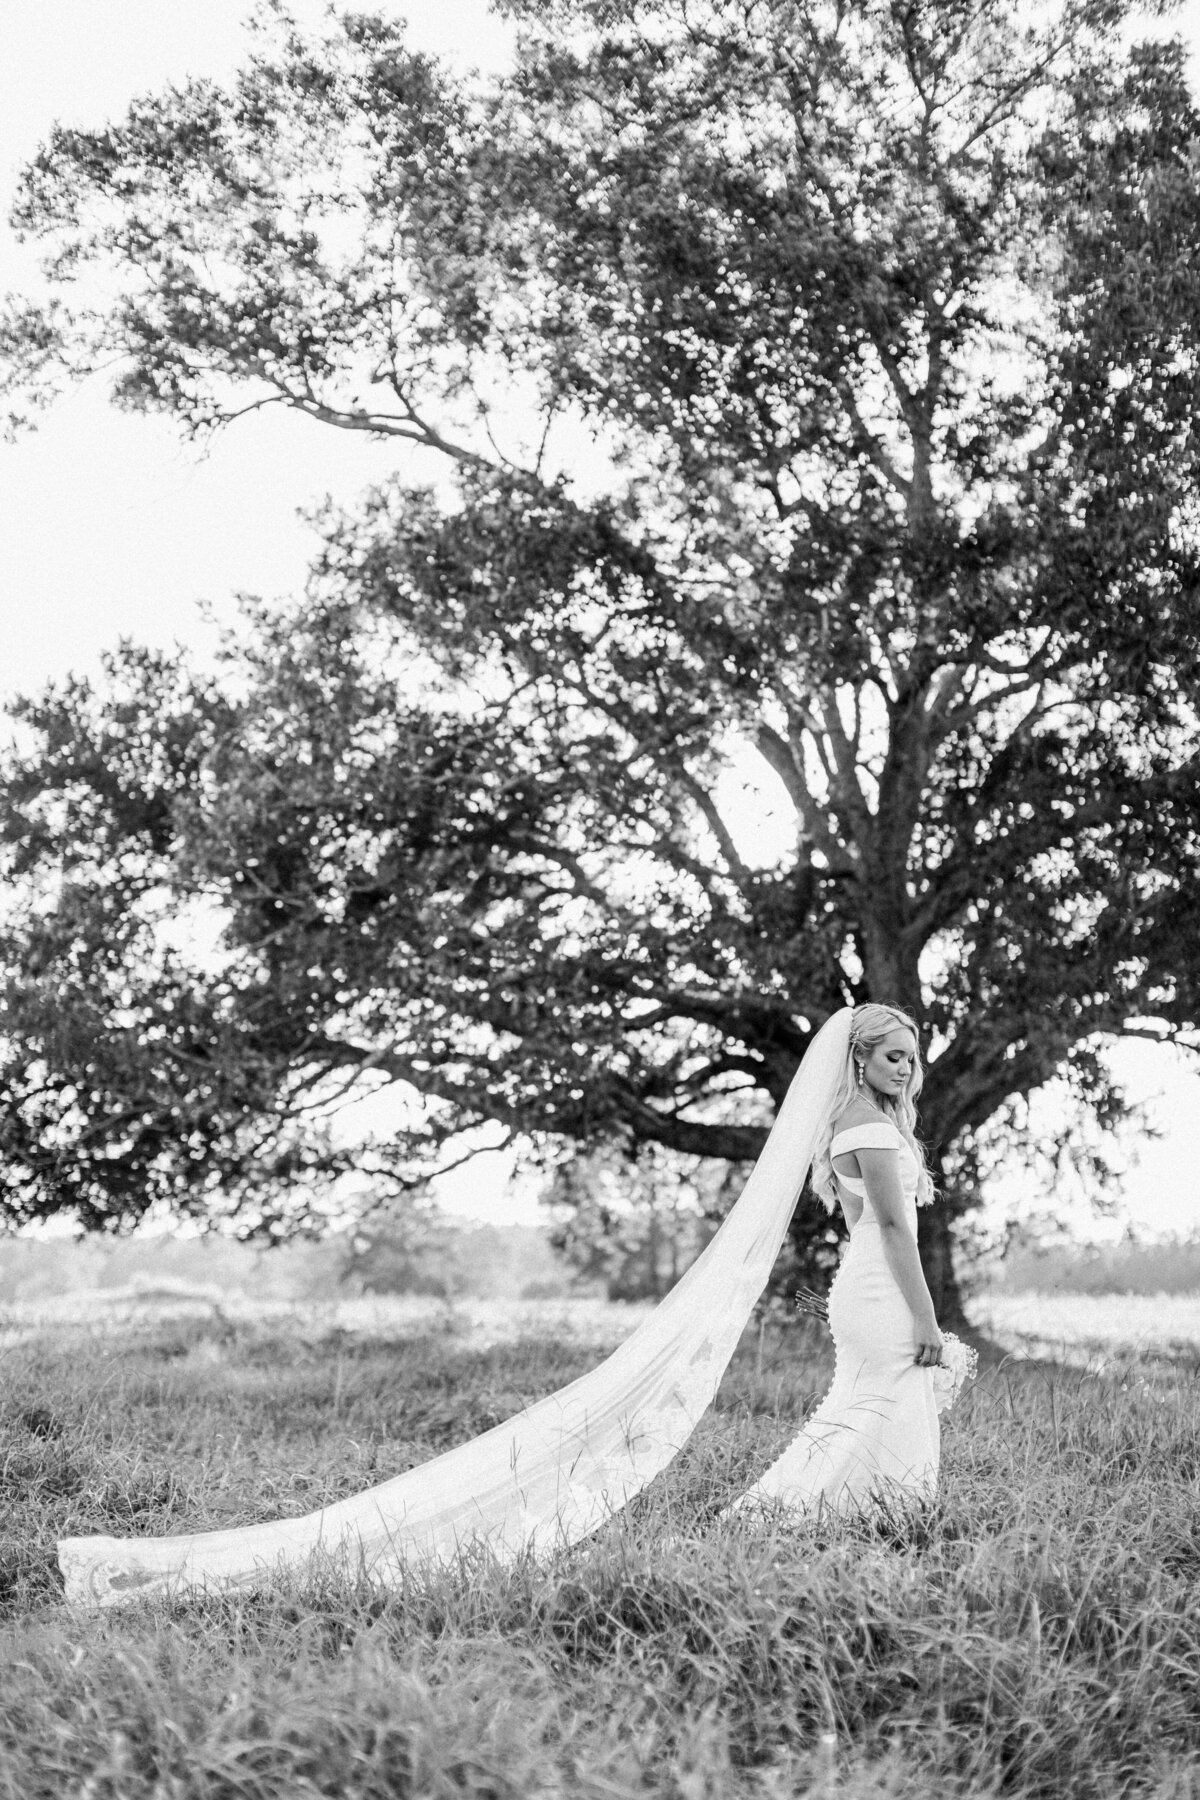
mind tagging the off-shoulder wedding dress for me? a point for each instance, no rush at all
(876, 1432)
(554, 1473)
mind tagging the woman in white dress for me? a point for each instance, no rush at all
(556, 1471)
(875, 1435)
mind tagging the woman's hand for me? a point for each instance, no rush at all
(928, 1342)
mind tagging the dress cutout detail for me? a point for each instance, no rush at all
(882, 1136)
(876, 1433)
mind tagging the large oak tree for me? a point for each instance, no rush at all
(882, 314)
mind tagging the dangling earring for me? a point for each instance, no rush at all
(858, 1071)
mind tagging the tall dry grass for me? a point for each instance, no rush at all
(1037, 1634)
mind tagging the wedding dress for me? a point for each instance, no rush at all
(876, 1433)
(554, 1473)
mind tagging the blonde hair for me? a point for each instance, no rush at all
(869, 1025)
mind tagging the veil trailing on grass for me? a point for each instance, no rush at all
(556, 1471)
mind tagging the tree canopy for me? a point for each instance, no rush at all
(881, 317)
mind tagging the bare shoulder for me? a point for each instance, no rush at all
(859, 1112)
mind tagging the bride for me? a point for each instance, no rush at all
(877, 1427)
(554, 1473)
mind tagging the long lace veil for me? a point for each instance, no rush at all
(556, 1471)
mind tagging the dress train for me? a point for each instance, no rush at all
(553, 1474)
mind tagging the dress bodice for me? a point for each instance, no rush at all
(880, 1135)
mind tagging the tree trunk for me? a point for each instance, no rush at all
(936, 1244)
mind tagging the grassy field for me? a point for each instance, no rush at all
(1039, 1634)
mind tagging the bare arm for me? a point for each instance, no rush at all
(881, 1174)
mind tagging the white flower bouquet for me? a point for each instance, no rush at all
(957, 1367)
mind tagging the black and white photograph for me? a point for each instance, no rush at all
(600, 900)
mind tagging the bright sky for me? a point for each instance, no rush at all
(110, 526)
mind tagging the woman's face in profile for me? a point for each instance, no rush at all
(890, 1063)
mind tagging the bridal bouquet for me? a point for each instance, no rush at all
(957, 1367)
